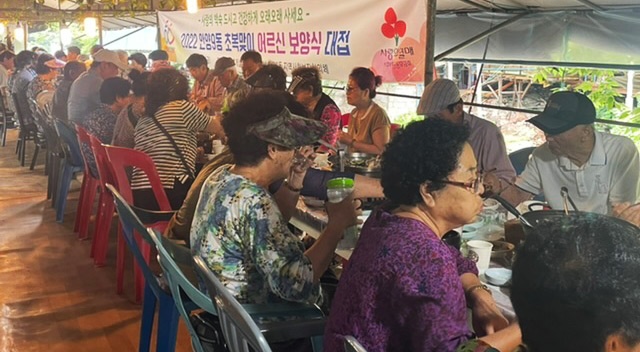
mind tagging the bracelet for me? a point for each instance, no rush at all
(477, 287)
(291, 188)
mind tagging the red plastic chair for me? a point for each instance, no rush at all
(122, 160)
(90, 183)
(344, 120)
(106, 206)
(394, 128)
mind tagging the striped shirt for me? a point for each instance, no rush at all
(182, 120)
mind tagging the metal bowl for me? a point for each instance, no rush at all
(359, 163)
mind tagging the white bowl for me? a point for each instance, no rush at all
(498, 276)
(470, 231)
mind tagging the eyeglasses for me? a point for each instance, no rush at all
(473, 186)
(349, 89)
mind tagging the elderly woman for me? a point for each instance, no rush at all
(123, 134)
(46, 70)
(369, 125)
(238, 228)
(405, 289)
(167, 133)
(575, 285)
(306, 86)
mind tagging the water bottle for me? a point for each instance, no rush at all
(337, 190)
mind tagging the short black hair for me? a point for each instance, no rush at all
(95, 48)
(575, 282)
(247, 149)
(196, 60)
(158, 55)
(59, 54)
(72, 66)
(251, 55)
(139, 82)
(139, 58)
(425, 151)
(6, 54)
(41, 67)
(310, 79)
(74, 49)
(24, 58)
(165, 85)
(366, 79)
(269, 76)
(112, 88)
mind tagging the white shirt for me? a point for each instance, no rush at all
(610, 175)
(4, 77)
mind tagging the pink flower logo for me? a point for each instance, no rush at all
(392, 28)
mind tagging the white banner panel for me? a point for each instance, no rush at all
(335, 36)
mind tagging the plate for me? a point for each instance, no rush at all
(313, 202)
(497, 276)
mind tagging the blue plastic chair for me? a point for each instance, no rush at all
(167, 314)
(171, 254)
(519, 158)
(72, 164)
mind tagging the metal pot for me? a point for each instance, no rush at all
(359, 164)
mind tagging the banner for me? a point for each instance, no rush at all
(335, 36)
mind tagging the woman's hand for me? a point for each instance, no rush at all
(486, 318)
(302, 160)
(627, 211)
(343, 214)
(345, 138)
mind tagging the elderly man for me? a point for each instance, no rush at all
(84, 96)
(72, 70)
(207, 92)
(250, 62)
(441, 99)
(72, 53)
(598, 169)
(225, 70)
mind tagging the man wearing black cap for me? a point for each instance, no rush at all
(225, 70)
(598, 169)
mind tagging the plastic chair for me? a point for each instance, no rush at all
(55, 152)
(519, 158)
(344, 120)
(90, 183)
(239, 324)
(104, 213)
(153, 294)
(122, 160)
(352, 345)
(7, 118)
(239, 330)
(27, 133)
(72, 163)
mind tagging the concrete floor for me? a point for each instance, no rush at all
(52, 298)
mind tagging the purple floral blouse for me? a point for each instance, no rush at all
(401, 291)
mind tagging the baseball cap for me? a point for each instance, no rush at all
(288, 130)
(437, 95)
(222, 64)
(106, 55)
(564, 111)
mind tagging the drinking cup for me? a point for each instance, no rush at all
(480, 253)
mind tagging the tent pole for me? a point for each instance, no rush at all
(629, 99)
(158, 34)
(100, 30)
(429, 62)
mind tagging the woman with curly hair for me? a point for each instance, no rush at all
(369, 125)
(405, 289)
(167, 133)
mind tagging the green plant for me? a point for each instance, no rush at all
(407, 118)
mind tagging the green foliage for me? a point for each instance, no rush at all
(407, 118)
(50, 39)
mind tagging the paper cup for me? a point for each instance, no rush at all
(480, 253)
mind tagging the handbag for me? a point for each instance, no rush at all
(190, 176)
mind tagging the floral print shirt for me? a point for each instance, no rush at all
(402, 292)
(240, 233)
(99, 123)
(35, 87)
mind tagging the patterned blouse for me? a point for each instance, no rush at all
(99, 123)
(35, 87)
(402, 292)
(240, 233)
